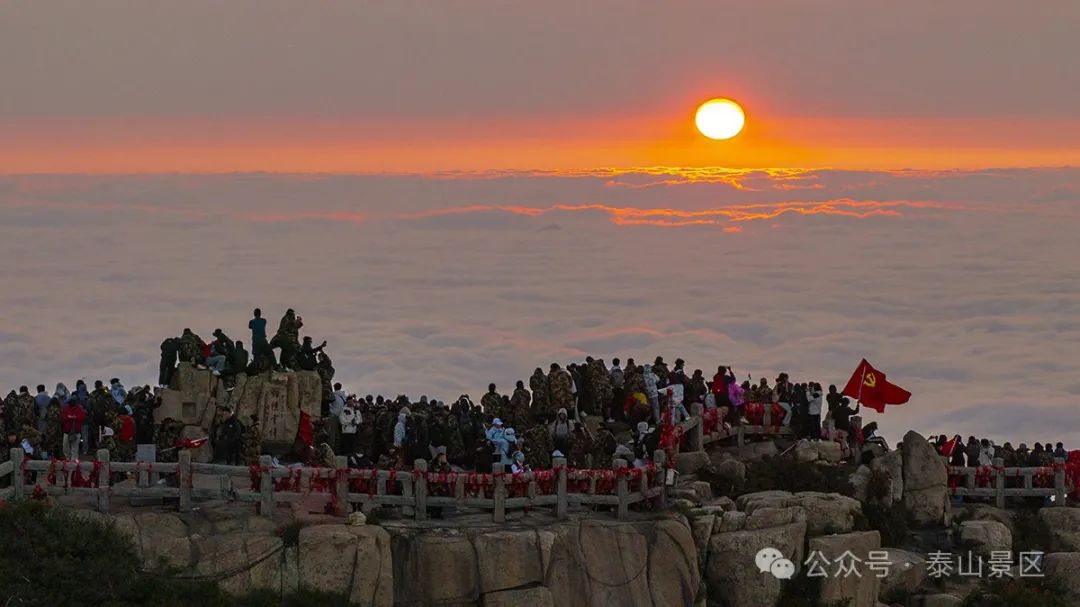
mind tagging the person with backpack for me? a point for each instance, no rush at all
(401, 437)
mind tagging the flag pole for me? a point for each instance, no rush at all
(862, 382)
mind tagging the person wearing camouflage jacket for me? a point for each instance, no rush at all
(561, 388)
(517, 413)
(492, 402)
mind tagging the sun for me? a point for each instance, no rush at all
(720, 119)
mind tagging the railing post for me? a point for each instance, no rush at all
(766, 418)
(266, 486)
(17, 479)
(341, 485)
(1060, 495)
(621, 488)
(499, 493)
(999, 482)
(697, 433)
(740, 438)
(660, 461)
(560, 487)
(103, 480)
(420, 488)
(184, 480)
(406, 481)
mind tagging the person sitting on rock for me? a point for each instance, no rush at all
(190, 348)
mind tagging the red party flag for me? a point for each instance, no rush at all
(869, 387)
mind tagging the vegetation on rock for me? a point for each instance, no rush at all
(54, 557)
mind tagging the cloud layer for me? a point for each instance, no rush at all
(959, 284)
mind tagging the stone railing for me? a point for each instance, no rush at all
(693, 429)
(994, 481)
(340, 488)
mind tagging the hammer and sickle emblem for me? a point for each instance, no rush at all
(870, 381)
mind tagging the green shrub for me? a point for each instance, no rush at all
(52, 556)
(1031, 532)
(787, 474)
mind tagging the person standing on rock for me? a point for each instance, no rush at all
(258, 334)
(491, 402)
(561, 388)
(602, 394)
(618, 394)
(168, 361)
(287, 339)
(190, 348)
(72, 417)
(517, 413)
(541, 405)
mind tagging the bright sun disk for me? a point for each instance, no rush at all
(720, 119)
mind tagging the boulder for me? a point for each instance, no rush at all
(728, 472)
(526, 597)
(689, 462)
(892, 465)
(277, 420)
(984, 537)
(196, 388)
(434, 568)
(1064, 525)
(763, 499)
(162, 541)
(925, 478)
(756, 450)
(236, 552)
(732, 577)
(1064, 568)
(701, 529)
(825, 512)
(597, 563)
(935, 600)
(983, 512)
(703, 491)
(508, 559)
(907, 572)
(829, 451)
(308, 392)
(354, 561)
(860, 481)
(172, 405)
(861, 590)
(674, 574)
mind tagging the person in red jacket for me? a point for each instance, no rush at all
(72, 417)
(125, 438)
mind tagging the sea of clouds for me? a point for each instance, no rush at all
(963, 286)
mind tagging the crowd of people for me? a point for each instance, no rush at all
(982, 452)
(522, 429)
(589, 412)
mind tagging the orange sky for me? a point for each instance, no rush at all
(349, 146)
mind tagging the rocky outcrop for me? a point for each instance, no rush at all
(925, 479)
(907, 573)
(587, 562)
(732, 577)
(825, 512)
(935, 600)
(984, 537)
(891, 465)
(538, 596)
(689, 462)
(834, 552)
(1064, 568)
(1064, 526)
(813, 451)
(350, 560)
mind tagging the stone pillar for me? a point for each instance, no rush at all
(559, 464)
(696, 440)
(621, 490)
(999, 482)
(341, 485)
(17, 479)
(266, 486)
(420, 488)
(500, 493)
(103, 480)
